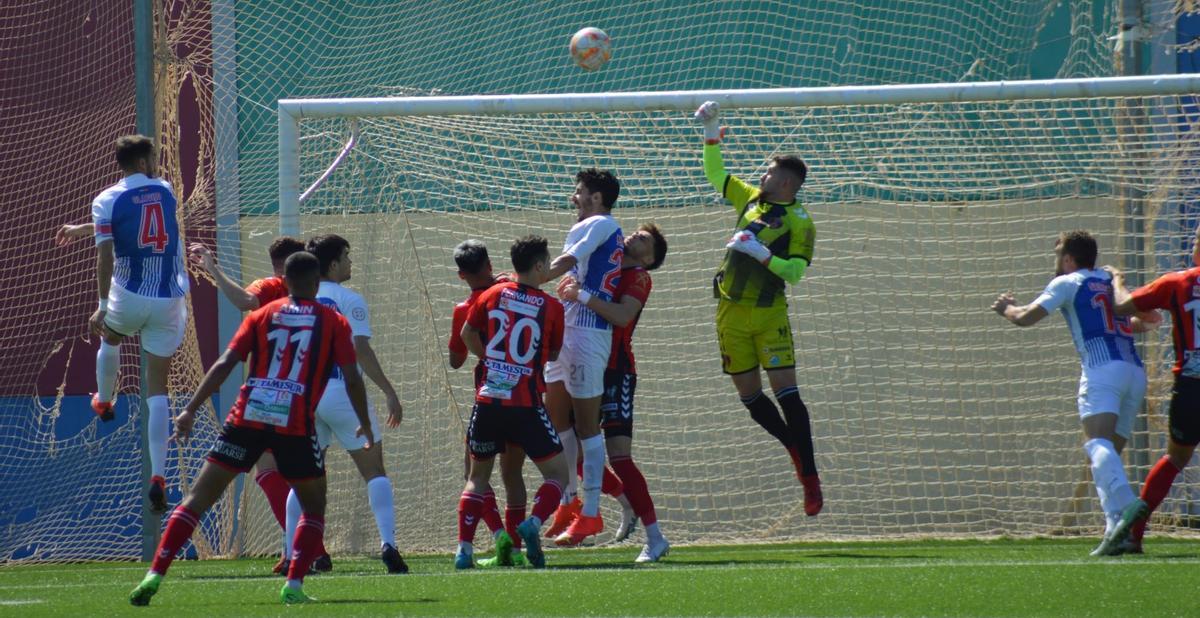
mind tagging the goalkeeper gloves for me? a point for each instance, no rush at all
(747, 242)
(709, 113)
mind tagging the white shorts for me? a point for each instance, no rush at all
(161, 321)
(1115, 387)
(581, 362)
(336, 418)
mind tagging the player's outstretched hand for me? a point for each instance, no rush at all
(746, 242)
(1003, 302)
(70, 233)
(183, 425)
(202, 255)
(395, 411)
(710, 114)
(367, 435)
(564, 283)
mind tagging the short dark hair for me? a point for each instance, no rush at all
(328, 248)
(660, 243)
(302, 267)
(527, 251)
(471, 256)
(1080, 245)
(283, 247)
(793, 164)
(133, 148)
(602, 182)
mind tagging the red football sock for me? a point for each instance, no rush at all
(276, 489)
(179, 529)
(491, 513)
(1155, 490)
(514, 514)
(794, 453)
(470, 505)
(635, 489)
(546, 500)
(305, 548)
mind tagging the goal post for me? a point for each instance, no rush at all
(931, 416)
(291, 111)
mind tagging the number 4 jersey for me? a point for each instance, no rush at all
(521, 328)
(1085, 298)
(138, 216)
(292, 347)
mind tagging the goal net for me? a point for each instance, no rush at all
(931, 415)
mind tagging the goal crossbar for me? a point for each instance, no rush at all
(291, 111)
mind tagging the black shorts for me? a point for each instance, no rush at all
(616, 408)
(493, 425)
(1185, 411)
(298, 458)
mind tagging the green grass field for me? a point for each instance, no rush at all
(1040, 577)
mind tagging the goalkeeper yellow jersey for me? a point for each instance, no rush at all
(785, 229)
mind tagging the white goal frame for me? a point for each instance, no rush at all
(291, 111)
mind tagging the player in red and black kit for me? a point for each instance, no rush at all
(645, 251)
(523, 328)
(475, 269)
(1178, 293)
(292, 346)
(258, 294)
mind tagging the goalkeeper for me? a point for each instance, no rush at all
(772, 246)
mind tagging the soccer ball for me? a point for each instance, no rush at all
(591, 48)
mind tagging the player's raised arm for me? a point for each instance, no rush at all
(618, 314)
(69, 233)
(239, 297)
(1021, 315)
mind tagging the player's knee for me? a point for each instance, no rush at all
(1097, 449)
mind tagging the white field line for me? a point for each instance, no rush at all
(911, 564)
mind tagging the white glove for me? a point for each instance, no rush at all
(747, 243)
(709, 113)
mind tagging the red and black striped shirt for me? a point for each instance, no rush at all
(292, 346)
(522, 327)
(635, 282)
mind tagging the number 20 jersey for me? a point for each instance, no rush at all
(1085, 298)
(138, 216)
(521, 327)
(291, 347)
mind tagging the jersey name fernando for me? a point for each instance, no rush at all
(1085, 298)
(597, 245)
(138, 215)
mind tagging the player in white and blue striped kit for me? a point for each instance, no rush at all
(575, 381)
(143, 288)
(1113, 381)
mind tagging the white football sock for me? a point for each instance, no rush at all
(156, 433)
(379, 492)
(108, 364)
(571, 454)
(653, 533)
(593, 473)
(466, 548)
(293, 521)
(1108, 473)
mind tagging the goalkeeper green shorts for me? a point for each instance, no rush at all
(751, 337)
